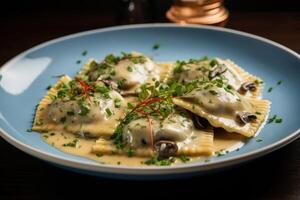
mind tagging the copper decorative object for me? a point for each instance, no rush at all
(210, 12)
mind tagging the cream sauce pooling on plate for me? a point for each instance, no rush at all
(83, 147)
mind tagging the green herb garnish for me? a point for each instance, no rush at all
(156, 46)
(270, 89)
(84, 52)
(129, 68)
(108, 112)
(184, 158)
(155, 161)
(117, 102)
(73, 143)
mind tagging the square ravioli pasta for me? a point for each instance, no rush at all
(76, 107)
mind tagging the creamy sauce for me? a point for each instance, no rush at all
(223, 141)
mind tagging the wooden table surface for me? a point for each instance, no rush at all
(276, 176)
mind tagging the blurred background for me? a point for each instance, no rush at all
(24, 24)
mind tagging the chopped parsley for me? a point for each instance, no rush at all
(156, 46)
(73, 143)
(102, 89)
(179, 67)
(130, 152)
(275, 119)
(84, 53)
(259, 140)
(155, 161)
(270, 89)
(45, 136)
(84, 107)
(78, 61)
(121, 83)
(129, 68)
(279, 82)
(48, 87)
(184, 158)
(39, 122)
(112, 59)
(213, 62)
(257, 82)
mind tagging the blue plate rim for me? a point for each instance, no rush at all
(148, 170)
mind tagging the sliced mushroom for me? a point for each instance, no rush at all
(217, 70)
(165, 148)
(245, 117)
(200, 122)
(247, 86)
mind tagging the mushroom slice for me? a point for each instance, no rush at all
(165, 149)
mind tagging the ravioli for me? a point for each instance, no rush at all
(177, 128)
(232, 74)
(126, 73)
(221, 109)
(65, 110)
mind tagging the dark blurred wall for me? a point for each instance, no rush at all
(157, 7)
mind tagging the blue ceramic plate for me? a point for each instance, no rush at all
(25, 78)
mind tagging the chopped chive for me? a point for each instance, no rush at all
(279, 82)
(0, 77)
(278, 120)
(108, 111)
(78, 61)
(259, 140)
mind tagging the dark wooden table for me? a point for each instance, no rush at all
(276, 176)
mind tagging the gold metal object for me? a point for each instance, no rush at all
(210, 12)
